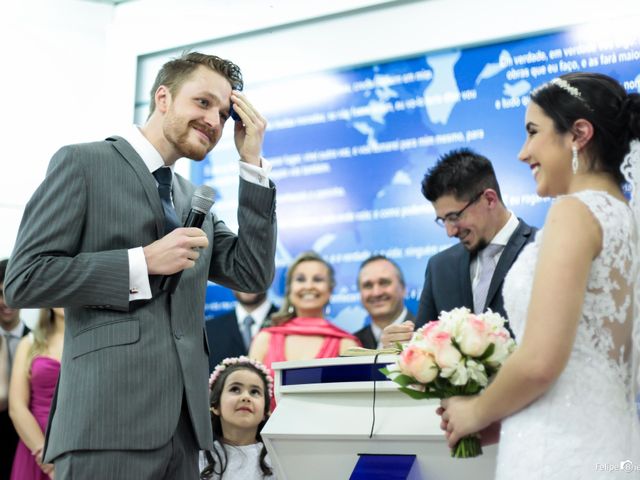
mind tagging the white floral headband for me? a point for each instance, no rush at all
(564, 85)
(241, 360)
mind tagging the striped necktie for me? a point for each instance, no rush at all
(247, 323)
(487, 265)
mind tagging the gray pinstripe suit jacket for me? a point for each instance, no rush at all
(126, 364)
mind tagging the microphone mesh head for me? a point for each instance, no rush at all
(202, 199)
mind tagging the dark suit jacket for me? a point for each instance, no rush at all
(225, 339)
(127, 365)
(447, 282)
(365, 334)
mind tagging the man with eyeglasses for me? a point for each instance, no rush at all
(464, 191)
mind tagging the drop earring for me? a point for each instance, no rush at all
(574, 159)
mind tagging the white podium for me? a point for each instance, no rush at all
(324, 415)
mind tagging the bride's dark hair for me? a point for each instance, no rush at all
(602, 101)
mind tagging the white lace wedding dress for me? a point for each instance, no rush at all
(581, 428)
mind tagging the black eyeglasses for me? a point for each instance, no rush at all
(454, 217)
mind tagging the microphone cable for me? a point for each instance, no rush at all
(373, 412)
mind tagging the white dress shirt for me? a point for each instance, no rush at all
(13, 336)
(258, 315)
(501, 238)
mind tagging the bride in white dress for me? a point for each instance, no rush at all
(564, 401)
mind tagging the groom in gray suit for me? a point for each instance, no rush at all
(97, 238)
(464, 192)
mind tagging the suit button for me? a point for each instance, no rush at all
(177, 334)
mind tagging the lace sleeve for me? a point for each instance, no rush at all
(631, 170)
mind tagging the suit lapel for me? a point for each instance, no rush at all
(236, 336)
(509, 254)
(181, 200)
(267, 320)
(146, 179)
(367, 339)
(464, 276)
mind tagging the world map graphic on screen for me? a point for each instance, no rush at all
(349, 149)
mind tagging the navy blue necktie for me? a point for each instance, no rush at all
(164, 176)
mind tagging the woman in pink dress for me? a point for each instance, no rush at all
(300, 331)
(33, 381)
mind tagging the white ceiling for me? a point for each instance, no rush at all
(109, 2)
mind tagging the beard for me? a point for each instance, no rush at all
(178, 132)
(473, 249)
(9, 317)
(251, 300)
(481, 245)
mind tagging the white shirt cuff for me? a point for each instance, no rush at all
(139, 288)
(254, 174)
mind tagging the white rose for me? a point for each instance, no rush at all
(460, 375)
(503, 347)
(494, 321)
(453, 320)
(477, 372)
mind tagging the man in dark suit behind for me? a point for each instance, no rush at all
(464, 192)
(382, 291)
(97, 238)
(230, 334)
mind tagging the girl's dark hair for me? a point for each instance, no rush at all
(603, 102)
(218, 465)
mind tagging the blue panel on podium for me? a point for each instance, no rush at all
(386, 467)
(333, 374)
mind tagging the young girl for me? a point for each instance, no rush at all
(241, 389)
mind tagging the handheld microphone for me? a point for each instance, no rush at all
(201, 203)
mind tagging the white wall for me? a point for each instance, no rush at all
(51, 82)
(69, 66)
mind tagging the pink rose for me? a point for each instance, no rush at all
(418, 364)
(473, 336)
(430, 329)
(446, 355)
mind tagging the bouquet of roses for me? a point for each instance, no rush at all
(455, 355)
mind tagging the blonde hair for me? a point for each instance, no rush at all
(41, 333)
(287, 310)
